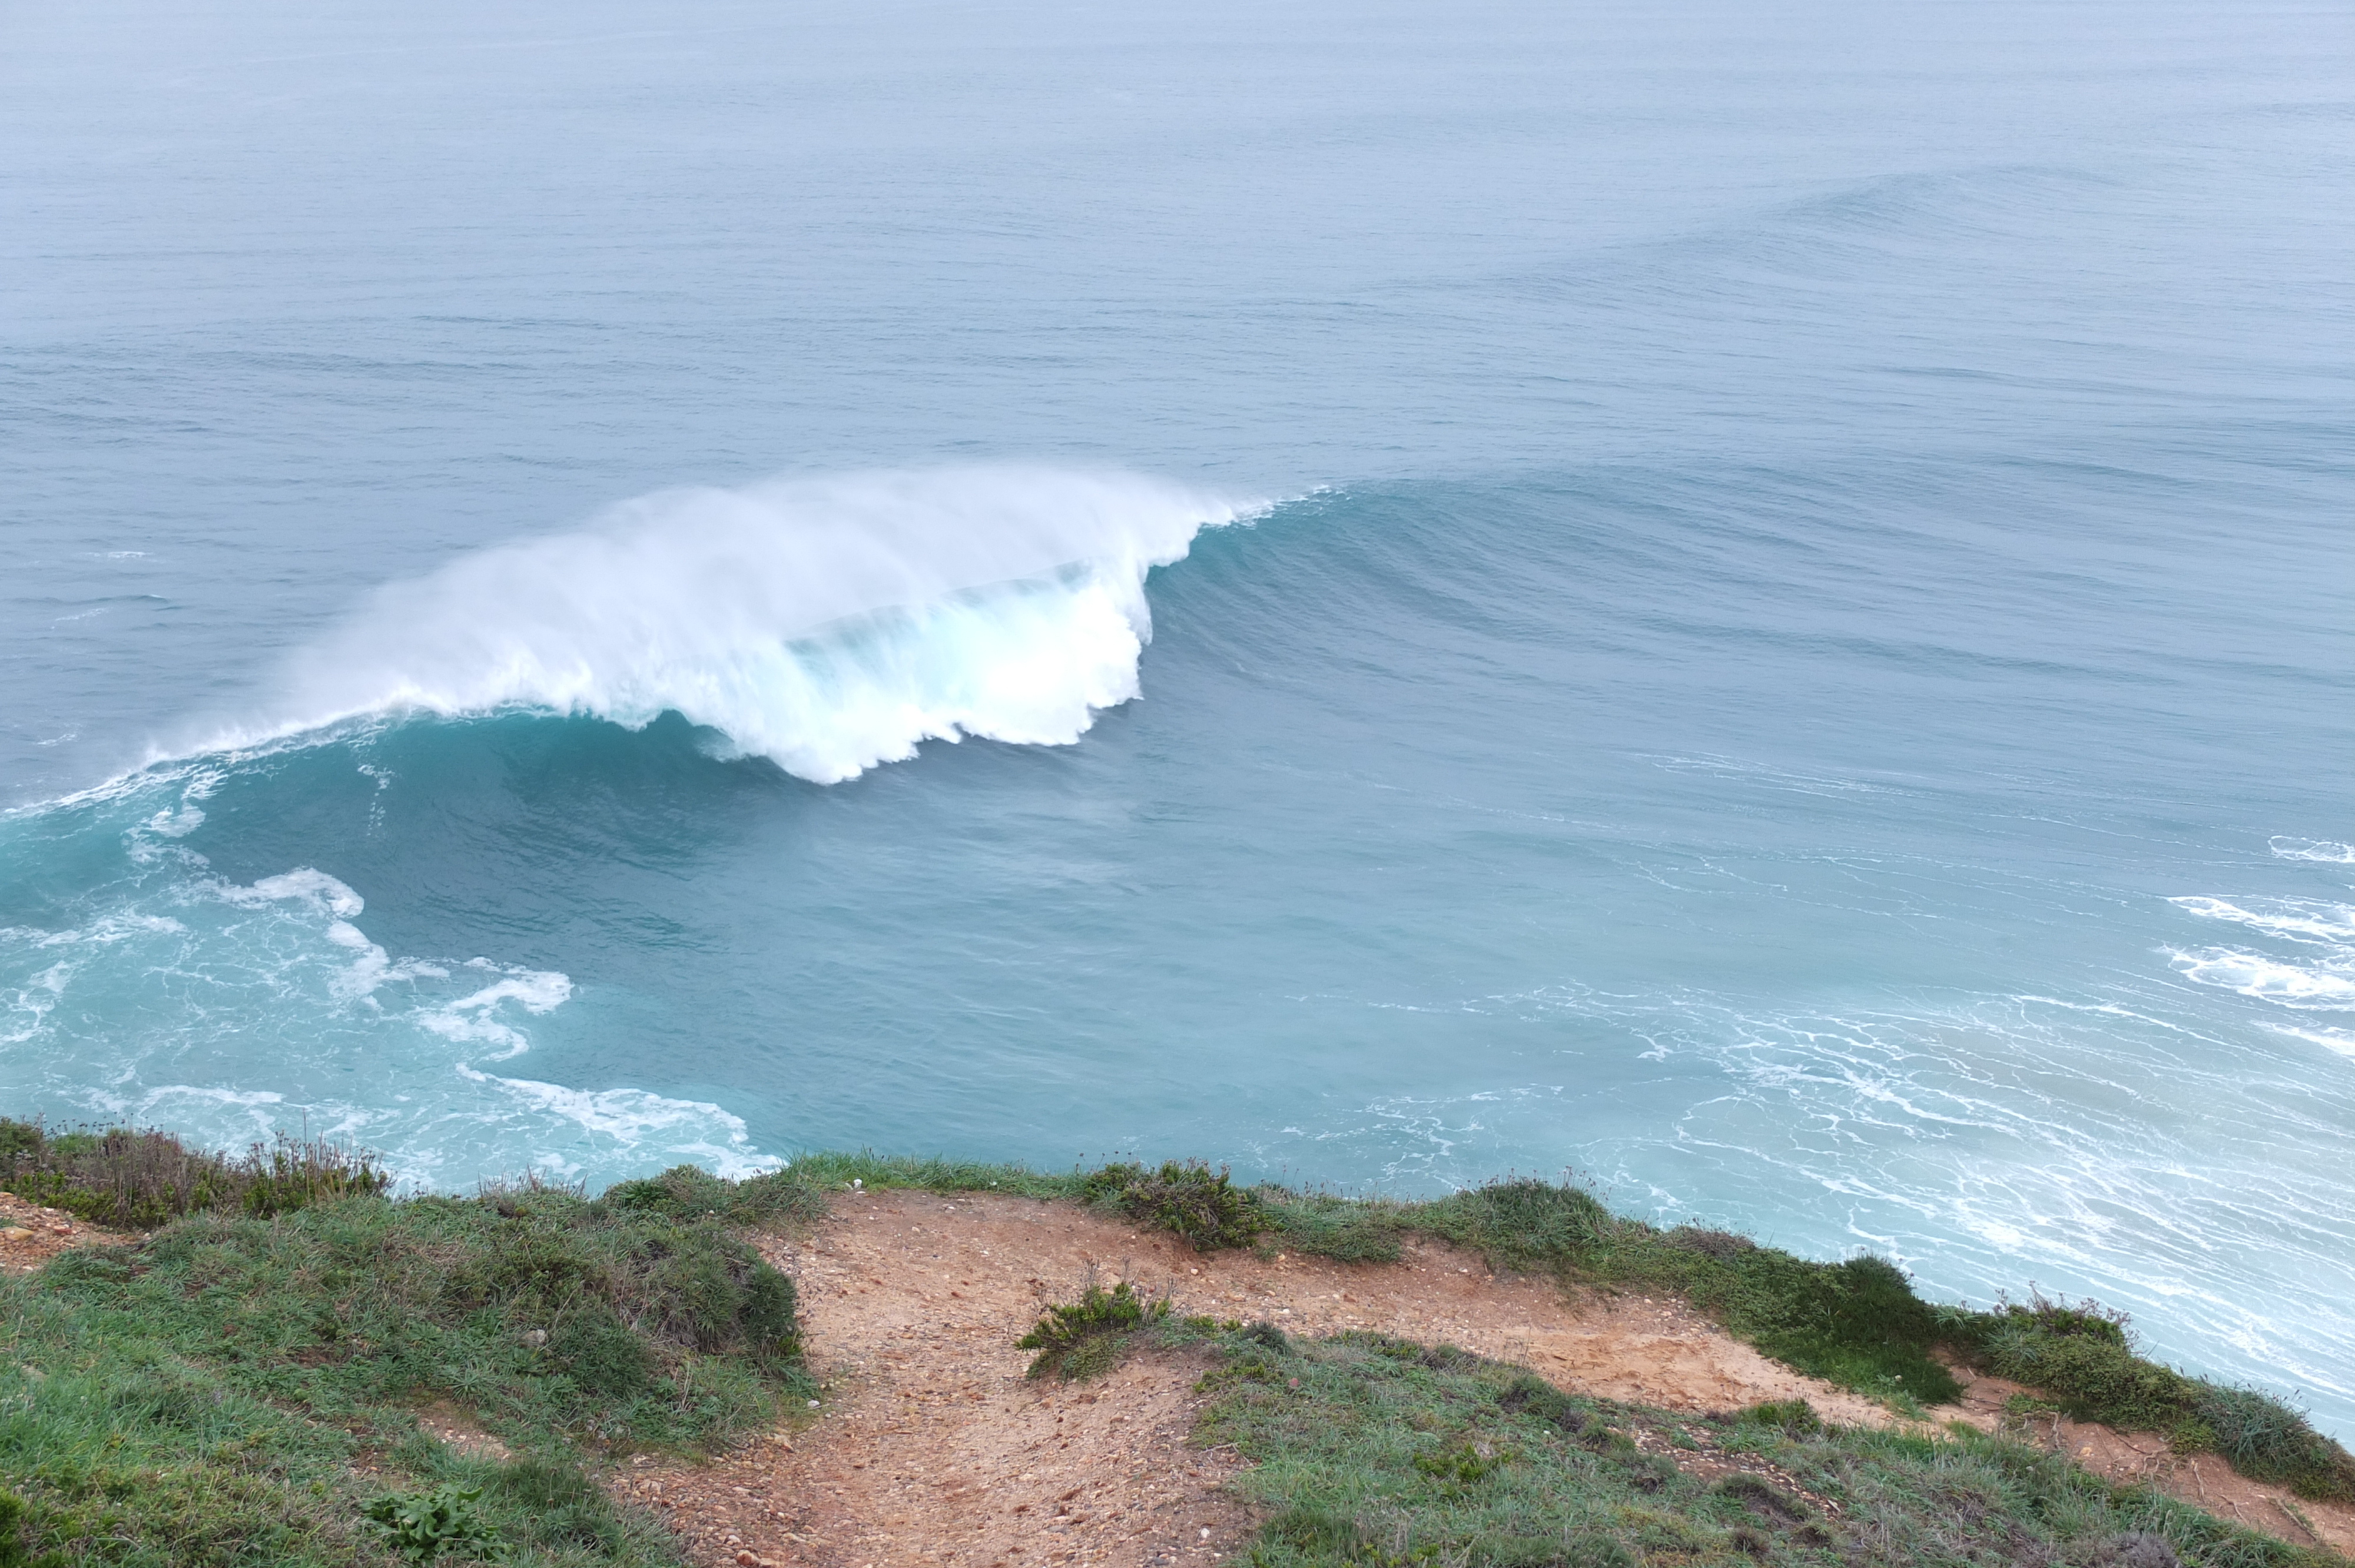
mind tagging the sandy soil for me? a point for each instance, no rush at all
(30, 1235)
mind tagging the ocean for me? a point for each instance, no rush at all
(1750, 603)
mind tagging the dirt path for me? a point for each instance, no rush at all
(934, 1449)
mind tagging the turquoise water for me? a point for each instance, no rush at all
(1753, 605)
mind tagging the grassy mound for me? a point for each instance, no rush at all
(1376, 1453)
(237, 1390)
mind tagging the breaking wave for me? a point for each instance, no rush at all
(828, 624)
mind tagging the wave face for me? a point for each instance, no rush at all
(826, 624)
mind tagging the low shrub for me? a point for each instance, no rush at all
(134, 1179)
(691, 1193)
(1520, 1222)
(1087, 1337)
(1856, 1323)
(1187, 1199)
(1795, 1417)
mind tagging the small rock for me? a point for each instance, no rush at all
(534, 1338)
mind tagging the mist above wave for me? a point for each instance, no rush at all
(828, 624)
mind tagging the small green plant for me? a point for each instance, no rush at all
(1085, 1339)
(1186, 1198)
(1795, 1417)
(424, 1526)
(1464, 1464)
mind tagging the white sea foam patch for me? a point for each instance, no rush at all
(830, 624)
(230, 1011)
(2312, 967)
(2322, 850)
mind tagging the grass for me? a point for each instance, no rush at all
(1379, 1453)
(1858, 1324)
(239, 1390)
(136, 1179)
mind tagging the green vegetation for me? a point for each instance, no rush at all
(1372, 1452)
(1088, 1338)
(136, 1180)
(238, 1390)
(829, 1172)
(2082, 1359)
(1189, 1199)
(1858, 1324)
(424, 1525)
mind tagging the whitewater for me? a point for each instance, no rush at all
(1749, 605)
(827, 625)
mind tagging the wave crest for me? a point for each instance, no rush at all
(829, 624)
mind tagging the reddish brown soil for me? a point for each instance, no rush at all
(30, 1235)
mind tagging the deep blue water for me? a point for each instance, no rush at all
(1772, 627)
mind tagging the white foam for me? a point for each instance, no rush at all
(323, 893)
(2316, 968)
(2307, 920)
(633, 1117)
(2328, 985)
(285, 1013)
(828, 624)
(475, 1018)
(2323, 850)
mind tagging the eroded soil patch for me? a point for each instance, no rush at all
(30, 1235)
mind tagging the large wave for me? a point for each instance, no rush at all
(829, 624)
